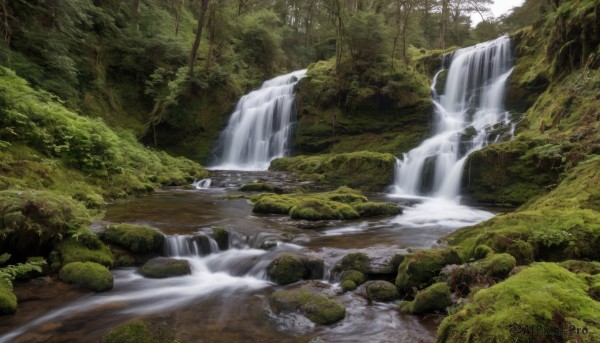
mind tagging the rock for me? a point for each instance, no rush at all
(221, 236)
(87, 275)
(496, 266)
(522, 252)
(260, 187)
(202, 241)
(348, 285)
(161, 267)
(357, 261)
(418, 270)
(318, 308)
(268, 245)
(353, 275)
(288, 268)
(432, 299)
(140, 332)
(71, 250)
(316, 209)
(137, 239)
(372, 209)
(381, 291)
(8, 300)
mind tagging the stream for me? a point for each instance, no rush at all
(226, 297)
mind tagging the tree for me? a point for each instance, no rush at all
(194, 54)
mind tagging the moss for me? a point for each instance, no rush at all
(138, 239)
(348, 285)
(87, 275)
(496, 266)
(287, 268)
(381, 291)
(372, 209)
(357, 261)
(432, 299)
(221, 236)
(318, 308)
(8, 300)
(140, 332)
(356, 277)
(417, 270)
(594, 291)
(73, 250)
(522, 252)
(481, 251)
(587, 267)
(274, 204)
(320, 210)
(160, 268)
(260, 187)
(363, 170)
(520, 300)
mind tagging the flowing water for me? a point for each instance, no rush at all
(260, 128)
(469, 115)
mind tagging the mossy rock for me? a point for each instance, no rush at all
(356, 261)
(372, 209)
(72, 250)
(482, 251)
(161, 267)
(221, 236)
(260, 187)
(348, 285)
(318, 308)
(353, 275)
(381, 291)
(588, 267)
(316, 209)
(418, 270)
(87, 275)
(288, 268)
(522, 252)
(274, 204)
(8, 300)
(434, 298)
(496, 266)
(137, 239)
(140, 332)
(534, 297)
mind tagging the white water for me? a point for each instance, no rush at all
(202, 184)
(260, 128)
(472, 103)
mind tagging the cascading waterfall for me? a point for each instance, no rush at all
(260, 128)
(469, 115)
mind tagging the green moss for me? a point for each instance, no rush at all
(348, 285)
(281, 204)
(140, 332)
(372, 209)
(319, 309)
(432, 299)
(381, 291)
(160, 268)
(87, 275)
(587, 267)
(543, 295)
(77, 251)
(138, 239)
(594, 291)
(8, 300)
(355, 276)
(260, 187)
(496, 266)
(357, 261)
(363, 170)
(321, 210)
(287, 268)
(221, 236)
(481, 251)
(417, 270)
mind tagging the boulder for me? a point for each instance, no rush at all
(161, 267)
(87, 275)
(288, 268)
(419, 269)
(137, 239)
(318, 308)
(381, 290)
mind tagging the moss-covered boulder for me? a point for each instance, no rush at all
(434, 298)
(544, 296)
(161, 267)
(137, 239)
(316, 209)
(274, 204)
(87, 275)
(363, 170)
(221, 236)
(348, 285)
(288, 268)
(318, 308)
(355, 276)
(496, 266)
(418, 270)
(72, 250)
(372, 209)
(357, 261)
(140, 332)
(260, 187)
(381, 291)
(8, 300)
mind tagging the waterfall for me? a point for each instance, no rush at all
(261, 126)
(202, 184)
(467, 115)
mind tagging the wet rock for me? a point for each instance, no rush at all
(260, 187)
(419, 269)
(318, 308)
(288, 268)
(432, 299)
(382, 265)
(8, 300)
(373, 209)
(202, 241)
(268, 245)
(137, 239)
(140, 332)
(496, 266)
(381, 291)
(357, 261)
(348, 285)
(317, 209)
(161, 267)
(87, 275)
(350, 279)
(221, 236)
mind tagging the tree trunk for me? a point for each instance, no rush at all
(136, 8)
(443, 24)
(212, 23)
(178, 17)
(203, 7)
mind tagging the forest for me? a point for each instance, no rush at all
(116, 167)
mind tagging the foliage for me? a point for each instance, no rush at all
(9, 273)
(8, 300)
